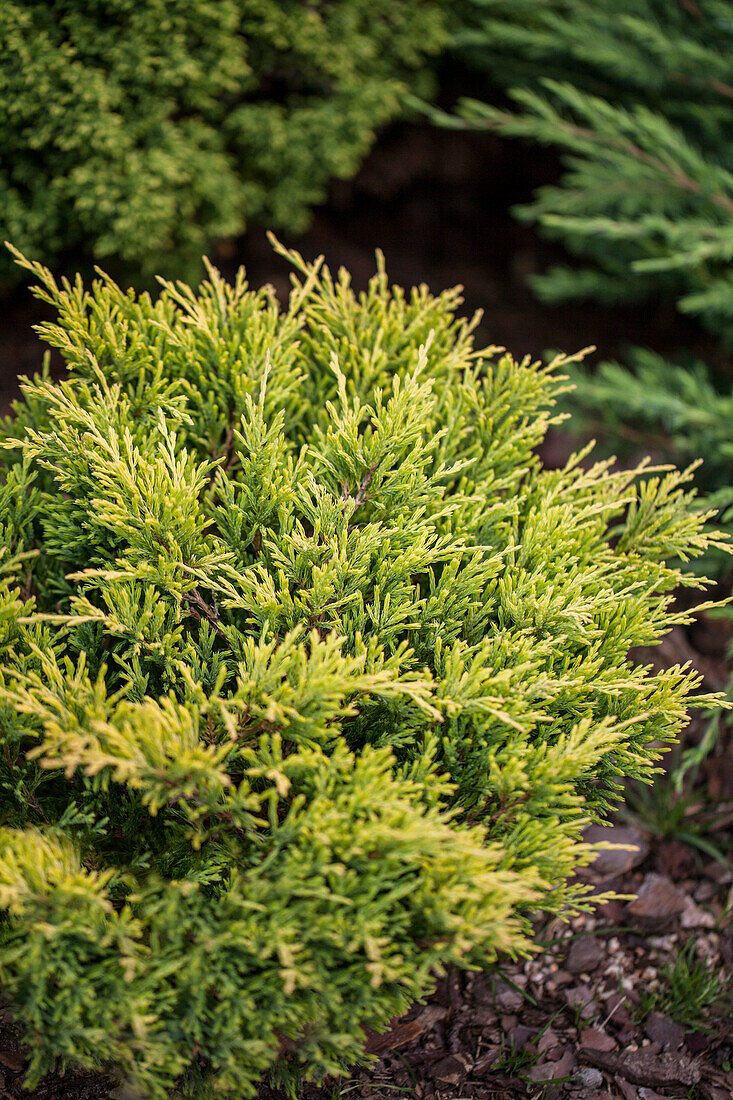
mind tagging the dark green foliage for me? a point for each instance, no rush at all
(677, 410)
(143, 130)
(310, 674)
(639, 96)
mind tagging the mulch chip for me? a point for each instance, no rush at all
(658, 902)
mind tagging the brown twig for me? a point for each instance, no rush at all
(691, 7)
(714, 85)
(200, 609)
(366, 482)
(361, 493)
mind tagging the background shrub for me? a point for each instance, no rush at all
(143, 130)
(311, 675)
(638, 96)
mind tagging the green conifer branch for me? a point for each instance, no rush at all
(311, 675)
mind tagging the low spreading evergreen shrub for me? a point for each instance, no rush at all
(311, 674)
(141, 130)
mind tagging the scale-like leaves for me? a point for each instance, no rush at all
(311, 675)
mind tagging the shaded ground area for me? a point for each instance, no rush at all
(593, 1016)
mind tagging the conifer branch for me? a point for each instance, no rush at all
(412, 709)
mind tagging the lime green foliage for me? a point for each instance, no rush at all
(311, 674)
(142, 130)
(639, 95)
